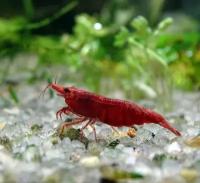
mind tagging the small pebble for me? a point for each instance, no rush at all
(91, 161)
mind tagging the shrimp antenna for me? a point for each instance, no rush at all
(56, 78)
(55, 81)
(45, 89)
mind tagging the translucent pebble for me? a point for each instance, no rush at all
(36, 140)
(110, 155)
(142, 136)
(130, 160)
(95, 148)
(56, 175)
(105, 132)
(53, 154)
(173, 179)
(144, 167)
(120, 147)
(2, 125)
(74, 157)
(160, 139)
(192, 131)
(66, 142)
(173, 148)
(170, 168)
(13, 111)
(47, 144)
(92, 161)
(77, 146)
(32, 153)
(127, 150)
(154, 128)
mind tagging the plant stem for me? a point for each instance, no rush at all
(57, 15)
(28, 8)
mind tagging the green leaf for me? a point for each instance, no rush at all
(122, 37)
(13, 94)
(139, 23)
(163, 25)
(151, 53)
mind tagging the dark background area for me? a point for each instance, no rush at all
(46, 8)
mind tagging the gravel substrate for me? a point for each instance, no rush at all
(31, 151)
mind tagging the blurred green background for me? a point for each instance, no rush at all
(125, 48)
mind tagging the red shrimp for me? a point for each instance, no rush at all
(90, 107)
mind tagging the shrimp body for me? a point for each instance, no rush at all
(114, 112)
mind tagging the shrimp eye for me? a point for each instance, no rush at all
(66, 90)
